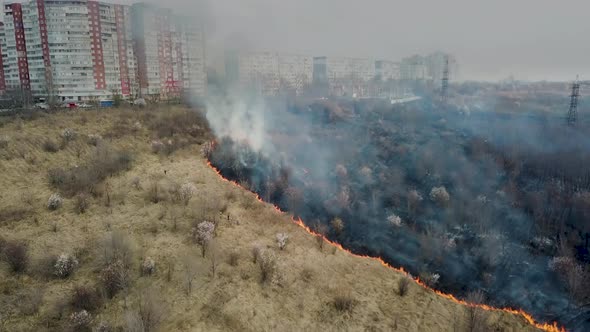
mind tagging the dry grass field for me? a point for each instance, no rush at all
(123, 247)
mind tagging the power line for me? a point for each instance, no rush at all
(573, 111)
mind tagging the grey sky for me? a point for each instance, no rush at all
(532, 39)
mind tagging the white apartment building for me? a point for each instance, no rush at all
(272, 73)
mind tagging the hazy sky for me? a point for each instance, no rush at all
(492, 39)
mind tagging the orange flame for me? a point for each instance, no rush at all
(549, 327)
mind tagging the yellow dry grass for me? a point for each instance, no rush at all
(232, 300)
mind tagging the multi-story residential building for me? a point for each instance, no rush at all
(84, 49)
(386, 70)
(170, 52)
(270, 73)
(14, 49)
(429, 67)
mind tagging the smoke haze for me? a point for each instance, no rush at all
(530, 39)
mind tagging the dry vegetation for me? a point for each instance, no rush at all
(101, 231)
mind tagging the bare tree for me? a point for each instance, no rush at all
(191, 270)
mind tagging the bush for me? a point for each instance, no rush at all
(50, 146)
(256, 251)
(104, 163)
(430, 279)
(4, 140)
(69, 134)
(94, 139)
(30, 301)
(85, 298)
(337, 226)
(440, 196)
(116, 247)
(233, 258)
(154, 193)
(395, 220)
(186, 192)
(268, 265)
(157, 146)
(571, 273)
(114, 277)
(282, 240)
(54, 202)
(203, 234)
(343, 300)
(16, 255)
(403, 286)
(65, 265)
(81, 203)
(476, 320)
(81, 320)
(148, 266)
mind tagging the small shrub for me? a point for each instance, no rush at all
(403, 286)
(81, 320)
(150, 310)
(268, 265)
(16, 255)
(337, 226)
(256, 251)
(154, 193)
(65, 265)
(186, 192)
(440, 196)
(103, 326)
(114, 277)
(81, 203)
(85, 298)
(136, 183)
(233, 258)
(430, 279)
(50, 146)
(157, 146)
(307, 274)
(148, 266)
(4, 140)
(30, 301)
(395, 220)
(116, 246)
(343, 300)
(476, 320)
(282, 240)
(54, 202)
(203, 234)
(94, 139)
(321, 230)
(69, 134)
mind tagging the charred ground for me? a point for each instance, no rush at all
(489, 201)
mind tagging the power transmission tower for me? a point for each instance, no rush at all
(445, 80)
(573, 111)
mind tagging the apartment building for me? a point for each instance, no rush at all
(85, 49)
(269, 73)
(170, 53)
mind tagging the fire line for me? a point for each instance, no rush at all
(553, 327)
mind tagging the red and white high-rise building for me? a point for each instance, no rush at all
(170, 52)
(85, 49)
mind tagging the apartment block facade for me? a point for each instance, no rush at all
(170, 53)
(84, 50)
(270, 73)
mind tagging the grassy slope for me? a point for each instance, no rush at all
(232, 300)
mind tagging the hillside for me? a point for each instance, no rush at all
(123, 247)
